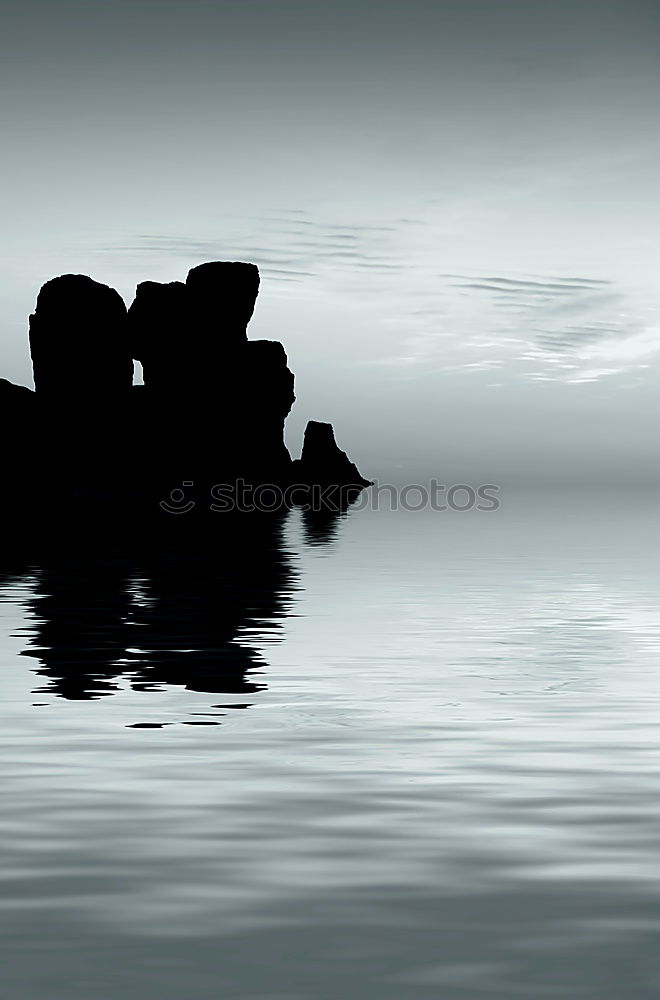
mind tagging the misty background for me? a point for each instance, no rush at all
(453, 207)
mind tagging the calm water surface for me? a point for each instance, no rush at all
(407, 755)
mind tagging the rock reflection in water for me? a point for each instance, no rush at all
(174, 613)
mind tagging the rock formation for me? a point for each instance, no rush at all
(83, 374)
(223, 294)
(160, 336)
(323, 463)
(79, 342)
(211, 410)
(16, 405)
(18, 411)
(185, 333)
(222, 400)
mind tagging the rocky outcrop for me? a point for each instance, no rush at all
(20, 443)
(185, 334)
(212, 408)
(83, 375)
(223, 294)
(16, 404)
(160, 336)
(322, 462)
(79, 341)
(214, 403)
(327, 483)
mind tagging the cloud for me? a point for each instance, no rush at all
(532, 326)
(570, 328)
(289, 247)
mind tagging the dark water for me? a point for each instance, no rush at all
(405, 756)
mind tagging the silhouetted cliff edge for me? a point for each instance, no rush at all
(208, 421)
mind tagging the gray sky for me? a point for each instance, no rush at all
(453, 206)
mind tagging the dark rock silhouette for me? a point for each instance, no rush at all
(223, 294)
(79, 341)
(15, 400)
(185, 335)
(126, 594)
(214, 404)
(265, 397)
(83, 374)
(332, 482)
(211, 410)
(158, 324)
(322, 461)
(18, 409)
(18, 413)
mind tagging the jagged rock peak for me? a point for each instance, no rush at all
(322, 461)
(319, 440)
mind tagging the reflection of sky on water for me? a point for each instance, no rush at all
(432, 763)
